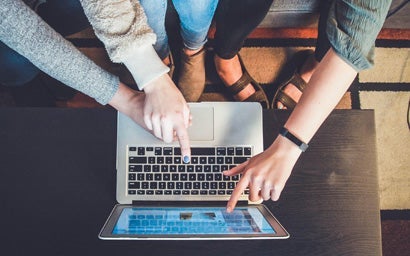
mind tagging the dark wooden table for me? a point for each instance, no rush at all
(58, 187)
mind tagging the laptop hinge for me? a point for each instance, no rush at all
(184, 203)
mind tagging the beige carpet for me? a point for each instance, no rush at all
(393, 135)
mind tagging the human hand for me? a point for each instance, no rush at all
(266, 173)
(166, 113)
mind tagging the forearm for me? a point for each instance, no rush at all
(325, 89)
(26, 33)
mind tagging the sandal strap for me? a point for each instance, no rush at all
(287, 101)
(239, 85)
(298, 82)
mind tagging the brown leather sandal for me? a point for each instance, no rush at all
(294, 78)
(243, 81)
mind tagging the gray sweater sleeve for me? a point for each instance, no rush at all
(25, 32)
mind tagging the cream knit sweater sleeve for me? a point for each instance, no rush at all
(122, 26)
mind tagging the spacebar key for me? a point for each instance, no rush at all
(203, 151)
(195, 151)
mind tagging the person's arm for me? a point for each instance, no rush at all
(352, 29)
(122, 26)
(25, 32)
(267, 173)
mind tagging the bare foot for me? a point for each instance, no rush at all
(230, 70)
(306, 73)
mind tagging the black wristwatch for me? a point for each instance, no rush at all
(285, 133)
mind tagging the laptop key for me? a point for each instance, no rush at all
(167, 151)
(132, 176)
(202, 151)
(158, 151)
(141, 151)
(153, 185)
(239, 159)
(134, 185)
(137, 160)
(221, 151)
(239, 151)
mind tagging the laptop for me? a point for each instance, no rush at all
(160, 197)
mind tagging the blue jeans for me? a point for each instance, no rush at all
(195, 17)
(65, 16)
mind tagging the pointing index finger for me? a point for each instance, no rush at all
(236, 193)
(183, 139)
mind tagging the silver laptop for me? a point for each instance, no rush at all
(160, 197)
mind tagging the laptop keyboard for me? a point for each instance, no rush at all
(154, 170)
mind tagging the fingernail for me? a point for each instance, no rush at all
(229, 209)
(186, 159)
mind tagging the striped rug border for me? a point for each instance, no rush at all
(258, 42)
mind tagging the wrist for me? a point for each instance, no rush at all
(284, 132)
(156, 84)
(145, 65)
(286, 148)
(124, 99)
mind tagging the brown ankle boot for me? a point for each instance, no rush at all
(192, 75)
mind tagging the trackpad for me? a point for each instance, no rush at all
(202, 128)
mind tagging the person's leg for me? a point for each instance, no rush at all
(64, 16)
(156, 12)
(235, 20)
(195, 19)
(309, 66)
(15, 70)
(21, 78)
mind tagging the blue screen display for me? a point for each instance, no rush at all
(186, 221)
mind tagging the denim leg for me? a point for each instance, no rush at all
(65, 16)
(155, 12)
(196, 17)
(15, 70)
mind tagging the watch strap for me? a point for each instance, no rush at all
(287, 134)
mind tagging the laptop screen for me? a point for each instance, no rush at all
(191, 221)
